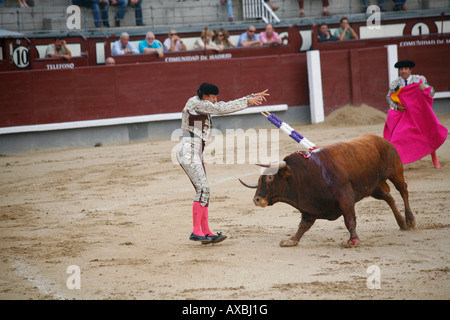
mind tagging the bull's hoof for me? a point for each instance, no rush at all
(408, 225)
(411, 224)
(353, 242)
(403, 225)
(288, 243)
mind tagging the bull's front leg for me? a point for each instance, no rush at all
(304, 226)
(350, 223)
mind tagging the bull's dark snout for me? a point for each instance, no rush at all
(259, 201)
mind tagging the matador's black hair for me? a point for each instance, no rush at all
(207, 88)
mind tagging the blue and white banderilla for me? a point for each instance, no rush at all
(287, 129)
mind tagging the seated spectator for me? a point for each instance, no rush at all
(149, 45)
(58, 49)
(249, 38)
(104, 7)
(222, 38)
(205, 42)
(274, 7)
(324, 34)
(123, 46)
(381, 4)
(345, 31)
(325, 4)
(22, 3)
(269, 37)
(136, 4)
(110, 61)
(94, 6)
(173, 42)
(399, 5)
(229, 8)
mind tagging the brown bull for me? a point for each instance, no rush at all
(329, 183)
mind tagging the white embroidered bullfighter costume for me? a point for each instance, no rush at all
(196, 125)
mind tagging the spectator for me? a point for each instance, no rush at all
(381, 4)
(269, 37)
(229, 8)
(205, 42)
(399, 5)
(274, 7)
(22, 3)
(123, 46)
(149, 45)
(324, 34)
(136, 4)
(110, 61)
(94, 5)
(122, 4)
(173, 42)
(345, 31)
(249, 38)
(222, 37)
(58, 49)
(325, 11)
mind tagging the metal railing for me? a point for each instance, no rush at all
(258, 9)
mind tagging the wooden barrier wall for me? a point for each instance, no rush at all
(360, 75)
(87, 93)
(432, 61)
(353, 75)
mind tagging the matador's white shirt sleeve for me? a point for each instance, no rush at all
(195, 105)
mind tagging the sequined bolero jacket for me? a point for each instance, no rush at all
(400, 83)
(196, 115)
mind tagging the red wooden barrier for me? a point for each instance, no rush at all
(86, 93)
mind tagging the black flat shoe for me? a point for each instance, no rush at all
(204, 240)
(219, 237)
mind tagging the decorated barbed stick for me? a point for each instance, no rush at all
(283, 126)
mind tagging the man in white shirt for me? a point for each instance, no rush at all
(123, 46)
(174, 43)
(58, 49)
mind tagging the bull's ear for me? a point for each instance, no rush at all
(285, 171)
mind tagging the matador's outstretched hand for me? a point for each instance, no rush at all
(258, 98)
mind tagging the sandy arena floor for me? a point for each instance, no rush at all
(122, 214)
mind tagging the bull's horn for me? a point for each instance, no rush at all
(253, 186)
(280, 165)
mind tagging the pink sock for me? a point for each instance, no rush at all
(197, 212)
(205, 224)
(435, 160)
